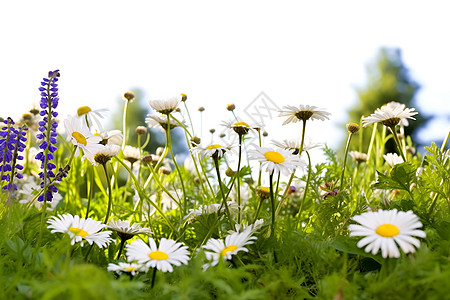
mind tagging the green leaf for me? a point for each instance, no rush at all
(349, 246)
(400, 178)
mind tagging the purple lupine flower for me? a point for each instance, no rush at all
(12, 143)
(47, 134)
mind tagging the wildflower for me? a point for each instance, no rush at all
(303, 112)
(114, 137)
(241, 128)
(89, 116)
(392, 159)
(183, 97)
(384, 228)
(125, 231)
(161, 122)
(129, 268)
(11, 145)
(103, 154)
(279, 160)
(47, 133)
(165, 106)
(201, 108)
(390, 115)
(80, 136)
(161, 257)
(214, 150)
(210, 209)
(28, 191)
(295, 145)
(235, 242)
(263, 192)
(358, 156)
(131, 154)
(80, 230)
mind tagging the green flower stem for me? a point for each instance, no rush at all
(158, 164)
(122, 244)
(153, 277)
(372, 139)
(444, 143)
(124, 124)
(397, 142)
(303, 137)
(108, 180)
(144, 195)
(283, 199)
(189, 116)
(90, 175)
(159, 183)
(258, 209)
(305, 192)
(341, 182)
(224, 199)
(260, 171)
(272, 201)
(238, 182)
(169, 144)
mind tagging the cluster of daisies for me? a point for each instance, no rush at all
(142, 256)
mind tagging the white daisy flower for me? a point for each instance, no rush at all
(165, 106)
(210, 209)
(384, 228)
(294, 144)
(104, 153)
(79, 135)
(131, 154)
(80, 230)
(358, 156)
(235, 242)
(113, 137)
(392, 159)
(123, 267)
(161, 122)
(212, 150)
(89, 116)
(161, 257)
(244, 226)
(241, 128)
(125, 231)
(295, 114)
(279, 160)
(390, 115)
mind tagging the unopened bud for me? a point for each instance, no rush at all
(263, 192)
(147, 158)
(183, 97)
(128, 96)
(165, 170)
(159, 151)
(222, 135)
(201, 108)
(195, 141)
(352, 127)
(265, 133)
(141, 130)
(231, 106)
(212, 130)
(229, 172)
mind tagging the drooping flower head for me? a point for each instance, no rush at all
(165, 106)
(161, 122)
(295, 114)
(295, 145)
(213, 150)
(216, 249)
(80, 230)
(104, 153)
(390, 115)
(385, 229)
(278, 159)
(47, 133)
(89, 117)
(358, 157)
(161, 257)
(125, 231)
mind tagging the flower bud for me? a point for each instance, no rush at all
(231, 107)
(128, 96)
(183, 97)
(201, 108)
(140, 130)
(352, 127)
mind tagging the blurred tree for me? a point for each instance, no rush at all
(388, 80)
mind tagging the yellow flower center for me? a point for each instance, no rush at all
(215, 146)
(79, 232)
(228, 249)
(97, 134)
(241, 124)
(158, 255)
(129, 269)
(274, 156)
(79, 138)
(264, 189)
(387, 230)
(83, 110)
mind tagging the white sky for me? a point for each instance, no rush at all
(297, 52)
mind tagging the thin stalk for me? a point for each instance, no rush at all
(153, 277)
(122, 244)
(224, 199)
(341, 182)
(306, 189)
(238, 183)
(124, 124)
(444, 143)
(189, 116)
(169, 145)
(108, 180)
(397, 142)
(272, 201)
(91, 189)
(372, 139)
